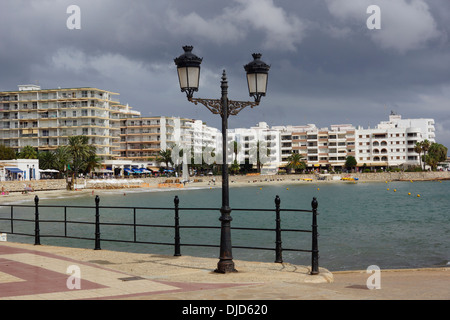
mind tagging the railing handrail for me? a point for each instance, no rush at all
(177, 227)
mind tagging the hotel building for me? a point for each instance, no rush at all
(45, 119)
(142, 139)
(323, 147)
(392, 142)
(250, 139)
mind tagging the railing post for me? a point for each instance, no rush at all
(315, 246)
(65, 221)
(37, 236)
(97, 223)
(134, 225)
(278, 248)
(177, 228)
(12, 219)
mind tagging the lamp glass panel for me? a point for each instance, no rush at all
(251, 78)
(261, 82)
(193, 77)
(182, 76)
(257, 83)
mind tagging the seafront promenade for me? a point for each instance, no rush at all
(49, 273)
(30, 272)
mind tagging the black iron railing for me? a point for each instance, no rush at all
(177, 243)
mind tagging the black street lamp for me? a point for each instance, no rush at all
(188, 66)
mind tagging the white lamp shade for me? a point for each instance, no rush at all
(189, 77)
(257, 83)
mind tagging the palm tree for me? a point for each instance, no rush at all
(260, 158)
(165, 156)
(295, 162)
(28, 152)
(235, 167)
(61, 159)
(46, 160)
(79, 151)
(418, 149)
(425, 147)
(92, 163)
(236, 149)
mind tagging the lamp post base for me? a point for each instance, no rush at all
(225, 266)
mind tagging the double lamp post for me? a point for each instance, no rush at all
(188, 65)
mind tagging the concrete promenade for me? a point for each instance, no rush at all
(30, 272)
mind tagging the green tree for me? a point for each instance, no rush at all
(46, 160)
(93, 162)
(79, 151)
(425, 144)
(295, 162)
(236, 149)
(235, 167)
(350, 162)
(436, 153)
(260, 158)
(61, 160)
(165, 156)
(7, 153)
(418, 149)
(28, 152)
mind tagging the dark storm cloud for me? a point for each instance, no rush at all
(327, 67)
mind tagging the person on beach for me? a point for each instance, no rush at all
(4, 193)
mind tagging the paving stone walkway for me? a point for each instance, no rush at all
(30, 272)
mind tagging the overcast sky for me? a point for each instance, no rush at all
(327, 67)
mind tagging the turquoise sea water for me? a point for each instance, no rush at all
(360, 224)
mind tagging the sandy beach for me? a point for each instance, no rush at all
(98, 187)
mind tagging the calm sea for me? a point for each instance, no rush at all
(360, 224)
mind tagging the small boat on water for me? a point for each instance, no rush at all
(349, 179)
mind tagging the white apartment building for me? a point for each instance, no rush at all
(324, 147)
(46, 118)
(141, 139)
(261, 136)
(203, 142)
(423, 125)
(392, 142)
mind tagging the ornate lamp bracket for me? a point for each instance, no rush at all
(215, 106)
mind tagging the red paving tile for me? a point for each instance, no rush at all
(28, 280)
(35, 280)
